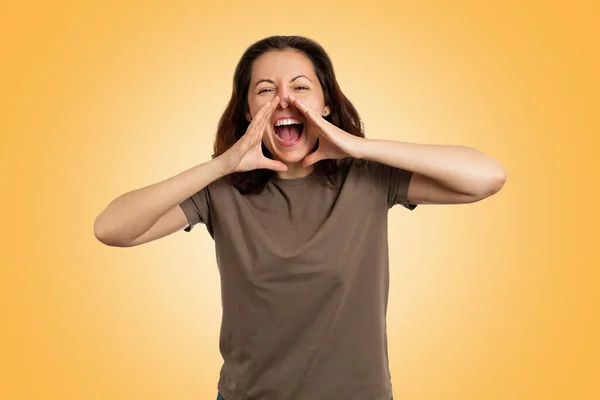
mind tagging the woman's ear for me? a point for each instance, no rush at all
(248, 117)
(326, 111)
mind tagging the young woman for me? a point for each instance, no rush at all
(296, 200)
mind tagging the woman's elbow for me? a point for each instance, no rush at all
(104, 235)
(492, 185)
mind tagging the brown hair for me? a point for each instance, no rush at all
(233, 123)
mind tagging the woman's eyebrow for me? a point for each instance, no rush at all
(291, 80)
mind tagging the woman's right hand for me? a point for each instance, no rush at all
(246, 154)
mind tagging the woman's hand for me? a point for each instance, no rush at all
(246, 154)
(334, 143)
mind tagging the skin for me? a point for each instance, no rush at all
(281, 67)
(442, 174)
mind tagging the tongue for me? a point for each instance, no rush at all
(288, 133)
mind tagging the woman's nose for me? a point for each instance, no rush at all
(283, 95)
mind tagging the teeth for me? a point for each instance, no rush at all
(287, 121)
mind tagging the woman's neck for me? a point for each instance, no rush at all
(295, 170)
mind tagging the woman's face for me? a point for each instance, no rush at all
(282, 73)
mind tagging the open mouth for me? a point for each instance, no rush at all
(289, 135)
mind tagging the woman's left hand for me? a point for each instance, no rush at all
(334, 143)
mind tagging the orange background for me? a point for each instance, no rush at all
(492, 300)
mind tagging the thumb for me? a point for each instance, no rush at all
(313, 158)
(274, 165)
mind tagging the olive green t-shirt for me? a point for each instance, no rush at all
(304, 273)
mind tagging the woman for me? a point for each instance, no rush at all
(296, 200)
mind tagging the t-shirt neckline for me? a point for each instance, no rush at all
(294, 181)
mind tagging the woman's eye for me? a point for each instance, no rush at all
(268, 89)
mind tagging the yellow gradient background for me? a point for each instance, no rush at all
(493, 300)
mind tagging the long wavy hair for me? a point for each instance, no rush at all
(233, 124)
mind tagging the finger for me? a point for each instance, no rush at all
(263, 117)
(306, 110)
(262, 111)
(267, 117)
(266, 120)
(312, 115)
(255, 122)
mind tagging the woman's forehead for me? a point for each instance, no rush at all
(284, 64)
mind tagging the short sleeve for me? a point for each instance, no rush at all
(197, 209)
(392, 182)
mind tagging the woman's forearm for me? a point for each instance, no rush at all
(462, 169)
(133, 213)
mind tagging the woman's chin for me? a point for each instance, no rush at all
(292, 157)
(293, 154)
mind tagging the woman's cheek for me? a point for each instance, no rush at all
(256, 104)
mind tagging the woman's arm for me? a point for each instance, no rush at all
(152, 212)
(134, 213)
(442, 174)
